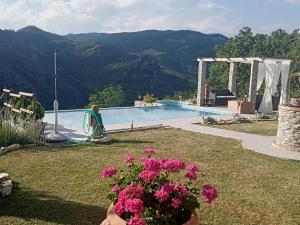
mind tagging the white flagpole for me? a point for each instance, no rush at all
(55, 136)
(55, 103)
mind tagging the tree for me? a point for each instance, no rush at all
(149, 98)
(279, 44)
(109, 96)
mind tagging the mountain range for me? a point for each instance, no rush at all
(158, 62)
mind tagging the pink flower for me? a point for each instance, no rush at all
(119, 208)
(192, 170)
(131, 191)
(151, 164)
(209, 193)
(182, 190)
(149, 151)
(176, 202)
(161, 195)
(172, 165)
(191, 175)
(169, 187)
(129, 159)
(134, 205)
(115, 188)
(108, 172)
(192, 167)
(148, 175)
(136, 220)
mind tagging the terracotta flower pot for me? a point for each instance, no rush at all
(113, 219)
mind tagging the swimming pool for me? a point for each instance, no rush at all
(168, 110)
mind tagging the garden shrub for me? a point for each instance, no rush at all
(15, 129)
(149, 98)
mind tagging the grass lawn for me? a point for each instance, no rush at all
(266, 128)
(61, 185)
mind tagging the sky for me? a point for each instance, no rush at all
(208, 16)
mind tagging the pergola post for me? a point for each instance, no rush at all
(201, 82)
(232, 77)
(252, 86)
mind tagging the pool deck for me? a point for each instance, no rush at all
(257, 143)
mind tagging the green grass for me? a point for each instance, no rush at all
(266, 128)
(61, 185)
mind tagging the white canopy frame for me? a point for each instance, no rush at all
(254, 61)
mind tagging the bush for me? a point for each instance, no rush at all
(194, 101)
(182, 95)
(210, 120)
(149, 98)
(40, 111)
(109, 96)
(17, 130)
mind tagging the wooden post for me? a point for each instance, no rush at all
(201, 82)
(34, 105)
(252, 86)
(22, 106)
(232, 77)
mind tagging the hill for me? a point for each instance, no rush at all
(26, 63)
(176, 50)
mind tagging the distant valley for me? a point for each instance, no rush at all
(159, 62)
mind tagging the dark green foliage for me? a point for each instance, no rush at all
(176, 50)
(40, 111)
(210, 120)
(182, 95)
(26, 63)
(28, 104)
(279, 44)
(141, 76)
(109, 96)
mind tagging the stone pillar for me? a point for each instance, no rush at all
(288, 133)
(253, 84)
(232, 77)
(201, 82)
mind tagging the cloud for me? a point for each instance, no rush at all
(294, 2)
(74, 16)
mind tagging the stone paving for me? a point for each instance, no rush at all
(257, 143)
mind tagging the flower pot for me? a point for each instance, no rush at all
(113, 219)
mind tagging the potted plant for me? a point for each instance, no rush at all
(152, 192)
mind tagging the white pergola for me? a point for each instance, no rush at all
(254, 61)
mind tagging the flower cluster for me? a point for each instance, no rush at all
(108, 172)
(146, 193)
(130, 201)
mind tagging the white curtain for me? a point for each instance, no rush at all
(276, 76)
(285, 70)
(271, 79)
(270, 70)
(261, 75)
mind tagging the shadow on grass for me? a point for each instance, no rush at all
(32, 205)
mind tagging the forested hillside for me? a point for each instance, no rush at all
(176, 50)
(126, 59)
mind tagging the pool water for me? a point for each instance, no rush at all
(74, 118)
